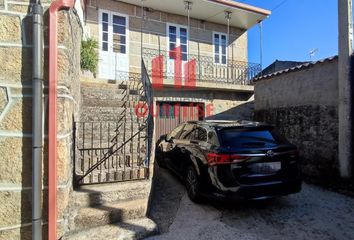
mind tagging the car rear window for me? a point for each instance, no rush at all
(250, 138)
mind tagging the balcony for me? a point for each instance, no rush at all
(205, 70)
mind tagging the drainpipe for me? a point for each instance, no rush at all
(52, 118)
(37, 111)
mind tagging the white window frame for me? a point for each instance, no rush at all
(178, 26)
(110, 29)
(220, 49)
(110, 51)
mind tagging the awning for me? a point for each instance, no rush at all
(243, 15)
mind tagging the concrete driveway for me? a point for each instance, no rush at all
(312, 214)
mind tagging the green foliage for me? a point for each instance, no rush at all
(89, 55)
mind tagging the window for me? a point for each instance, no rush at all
(213, 138)
(200, 134)
(104, 31)
(119, 34)
(220, 46)
(114, 33)
(176, 132)
(247, 138)
(187, 131)
(178, 36)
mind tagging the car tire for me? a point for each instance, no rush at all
(192, 184)
(160, 158)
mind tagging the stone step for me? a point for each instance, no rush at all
(112, 136)
(115, 116)
(110, 213)
(108, 117)
(94, 147)
(121, 174)
(121, 102)
(134, 229)
(102, 194)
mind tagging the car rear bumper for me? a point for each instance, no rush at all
(259, 191)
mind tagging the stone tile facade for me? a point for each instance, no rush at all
(16, 115)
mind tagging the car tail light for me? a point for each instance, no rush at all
(217, 159)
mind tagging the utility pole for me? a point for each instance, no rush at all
(345, 83)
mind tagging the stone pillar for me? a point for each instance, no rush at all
(345, 49)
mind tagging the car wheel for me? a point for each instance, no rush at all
(192, 184)
(160, 159)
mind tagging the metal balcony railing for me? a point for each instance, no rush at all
(206, 70)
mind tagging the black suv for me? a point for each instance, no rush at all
(230, 160)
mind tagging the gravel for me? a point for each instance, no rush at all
(314, 213)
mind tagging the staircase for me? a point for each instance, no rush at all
(110, 132)
(111, 154)
(111, 211)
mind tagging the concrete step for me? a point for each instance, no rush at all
(96, 139)
(101, 194)
(110, 213)
(128, 230)
(102, 91)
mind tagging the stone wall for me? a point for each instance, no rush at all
(218, 103)
(303, 105)
(16, 115)
(155, 31)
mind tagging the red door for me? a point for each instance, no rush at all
(171, 114)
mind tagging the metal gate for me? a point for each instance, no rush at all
(117, 151)
(171, 114)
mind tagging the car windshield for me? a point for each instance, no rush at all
(250, 138)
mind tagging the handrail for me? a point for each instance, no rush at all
(112, 145)
(149, 99)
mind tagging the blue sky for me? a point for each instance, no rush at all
(295, 28)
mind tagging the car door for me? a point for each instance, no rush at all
(179, 150)
(169, 144)
(199, 145)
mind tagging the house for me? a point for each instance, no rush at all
(212, 36)
(279, 65)
(180, 60)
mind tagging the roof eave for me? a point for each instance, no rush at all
(242, 6)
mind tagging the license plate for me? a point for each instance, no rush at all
(266, 168)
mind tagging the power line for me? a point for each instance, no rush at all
(279, 5)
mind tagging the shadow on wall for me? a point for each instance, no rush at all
(241, 112)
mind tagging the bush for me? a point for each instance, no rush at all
(89, 55)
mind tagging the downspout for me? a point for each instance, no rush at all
(52, 118)
(37, 111)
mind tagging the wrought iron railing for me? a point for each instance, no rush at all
(107, 153)
(114, 151)
(145, 79)
(206, 70)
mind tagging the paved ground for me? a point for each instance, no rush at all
(312, 214)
